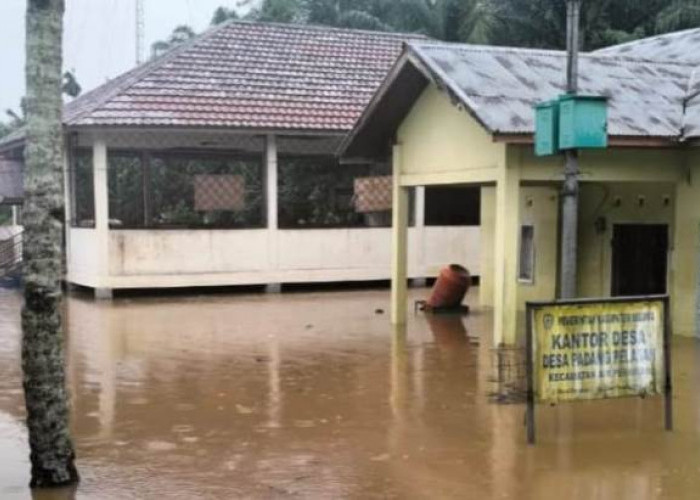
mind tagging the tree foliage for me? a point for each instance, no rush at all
(180, 35)
(223, 14)
(527, 23)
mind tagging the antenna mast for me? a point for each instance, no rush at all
(140, 30)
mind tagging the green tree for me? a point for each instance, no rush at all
(281, 11)
(71, 87)
(542, 23)
(678, 15)
(43, 360)
(180, 35)
(223, 14)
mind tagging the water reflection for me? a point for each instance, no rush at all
(313, 395)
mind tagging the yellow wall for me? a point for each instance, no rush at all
(443, 144)
(539, 208)
(599, 200)
(609, 165)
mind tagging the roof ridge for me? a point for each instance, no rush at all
(323, 27)
(127, 80)
(639, 41)
(543, 52)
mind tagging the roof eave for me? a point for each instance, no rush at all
(620, 141)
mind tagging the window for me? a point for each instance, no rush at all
(526, 267)
(186, 190)
(317, 192)
(82, 199)
(452, 206)
(126, 190)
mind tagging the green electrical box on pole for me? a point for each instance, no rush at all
(547, 128)
(571, 122)
(583, 122)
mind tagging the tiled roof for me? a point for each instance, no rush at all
(249, 75)
(500, 86)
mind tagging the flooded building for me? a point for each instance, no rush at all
(452, 114)
(214, 165)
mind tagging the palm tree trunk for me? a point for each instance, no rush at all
(52, 455)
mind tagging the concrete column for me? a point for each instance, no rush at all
(488, 236)
(66, 209)
(685, 256)
(271, 180)
(419, 233)
(399, 243)
(15, 215)
(507, 227)
(101, 194)
(271, 209)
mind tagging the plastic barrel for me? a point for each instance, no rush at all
(450, 288)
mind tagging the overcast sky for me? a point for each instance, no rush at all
(99, 37)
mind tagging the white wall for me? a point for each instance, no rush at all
(177, 258)
(82, 257)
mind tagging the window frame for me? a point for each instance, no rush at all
(527, 279)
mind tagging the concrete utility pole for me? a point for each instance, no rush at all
(140, 31)
(569, 236)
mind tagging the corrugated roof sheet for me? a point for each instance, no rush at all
(249, 75)
(500, 86)
(681, 46)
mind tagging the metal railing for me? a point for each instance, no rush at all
(10, 254)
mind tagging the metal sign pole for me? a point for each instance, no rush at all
(530, 373)
(668, 382)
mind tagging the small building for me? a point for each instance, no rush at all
(453, 114)
(214, 165)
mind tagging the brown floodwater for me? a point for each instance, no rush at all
(313, 395)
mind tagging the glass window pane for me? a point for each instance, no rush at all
(82, 189)
(527, 254)
(126, 194)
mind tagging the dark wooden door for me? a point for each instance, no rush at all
(640, 259)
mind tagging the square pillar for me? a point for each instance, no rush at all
(507, 230)
(399, 243)
(488, 236)
(419, 234)
(101, 194)
(685, 257)
(271, 179)
(67, 208)
(271, 209)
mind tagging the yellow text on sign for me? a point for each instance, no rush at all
(601, 350)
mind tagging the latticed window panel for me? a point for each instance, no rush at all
(219, 192)
(373, 194)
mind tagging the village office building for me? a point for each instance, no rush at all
(452, 114)
(215, 165)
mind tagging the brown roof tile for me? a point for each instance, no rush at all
(249, 75)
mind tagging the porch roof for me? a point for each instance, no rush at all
(499, 86)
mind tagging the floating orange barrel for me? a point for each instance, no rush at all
(450, 288)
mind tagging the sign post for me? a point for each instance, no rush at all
(598, 349)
